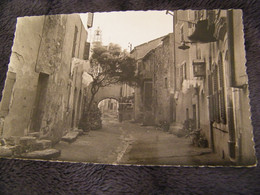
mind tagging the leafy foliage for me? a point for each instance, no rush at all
(109, 65)
(92, 119)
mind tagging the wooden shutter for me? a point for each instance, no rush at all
(222, 92)
(74, 41)
(181, 76)
(216, 95)
(211, 108)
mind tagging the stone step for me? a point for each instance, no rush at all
(13, 140)
(27, 140)
(26, 144)
(80, 131)
(5, 151)
(42, 144)
(46, 154)
(70, 136)
(34, 134)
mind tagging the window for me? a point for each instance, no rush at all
(182, 33)
(121, 91)
(221, 91)
(68, 98)
(194, 110)
(215, 95)
(75, 41)
(165, 82)
(181, 76)
(86, 51)
(184, 71)
(198, 52)
(218, 93)
(139, 66)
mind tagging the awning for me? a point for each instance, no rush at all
(203, 32)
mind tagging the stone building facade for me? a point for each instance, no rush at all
(198, 74)
(43, 90)
(154, 98)
(212, 86)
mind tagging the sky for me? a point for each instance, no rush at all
(135, 27)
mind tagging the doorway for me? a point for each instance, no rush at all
(172, 109)
(194, 110)
(40, 100)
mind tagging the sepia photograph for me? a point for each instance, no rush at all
(129, 88)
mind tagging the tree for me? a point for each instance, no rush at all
(109, 65)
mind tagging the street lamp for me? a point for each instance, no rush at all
(183, 45)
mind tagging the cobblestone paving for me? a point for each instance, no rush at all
(132, 143)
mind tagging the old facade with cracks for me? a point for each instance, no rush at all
(45, 83)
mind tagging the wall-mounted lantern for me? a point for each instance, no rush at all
(199, 68)
(183, 45)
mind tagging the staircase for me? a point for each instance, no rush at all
(33, 146)
(30, 146)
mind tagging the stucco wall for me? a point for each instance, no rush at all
(112, 91)
(43, 44)
(23, 59)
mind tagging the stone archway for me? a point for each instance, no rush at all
(109, 108)
(112, 92)
(111, 104)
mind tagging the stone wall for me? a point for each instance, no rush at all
(42, 97)
(156, 67)
(22, 62)
(234, 86)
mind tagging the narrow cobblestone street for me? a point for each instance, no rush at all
(131, 143)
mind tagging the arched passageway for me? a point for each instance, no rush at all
(109, 109)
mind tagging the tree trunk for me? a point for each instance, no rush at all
(94, 90)
(86, 121)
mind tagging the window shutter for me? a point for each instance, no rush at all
(74, 41)
(221, 92)
(222, 108)
(181, 76)
(185, 71)
(216, 95)
(211, 109)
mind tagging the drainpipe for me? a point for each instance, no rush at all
(231, 126)
(174, 52)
